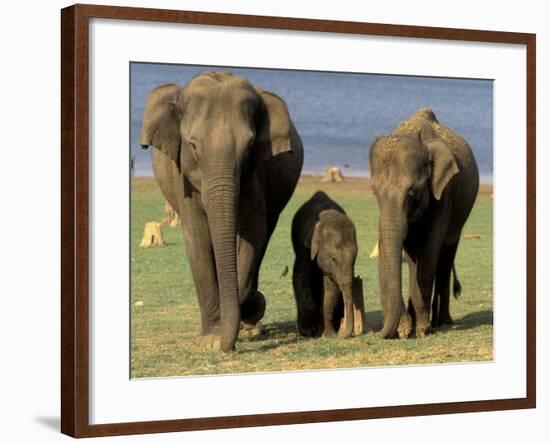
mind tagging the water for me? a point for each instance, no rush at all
(339, 114)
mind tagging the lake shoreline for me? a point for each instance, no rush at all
(351, 182)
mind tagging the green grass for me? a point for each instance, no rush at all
(165, 321)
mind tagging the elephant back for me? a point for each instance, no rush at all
(458, 145)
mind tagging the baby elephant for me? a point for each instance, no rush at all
(328, 297)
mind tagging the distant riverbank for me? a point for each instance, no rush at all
(486, 180)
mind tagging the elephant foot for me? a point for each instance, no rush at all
(344, 335)
(210, 342)
(446, 320)
(253, 307)
(328, 332)
(422, 331)
(405, 326)
(251, 330)
(442, 320)
(359, 322)
(309, 331)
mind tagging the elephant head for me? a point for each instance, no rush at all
(409, 172)
(213, 130)
(334, 246)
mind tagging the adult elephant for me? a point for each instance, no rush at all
(227, 157)
(425, 178)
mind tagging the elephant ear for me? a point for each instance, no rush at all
(273, 125)
(315, 240)
(443, 163)
(161, 122)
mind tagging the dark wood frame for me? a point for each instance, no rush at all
(74, 219)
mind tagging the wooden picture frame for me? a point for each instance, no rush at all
(75, 218)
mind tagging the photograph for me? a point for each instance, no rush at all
(336, 215)
(285, 220)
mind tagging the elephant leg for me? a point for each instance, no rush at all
(347, 324)
(408, 317)
(435, 307)
(423, 277)
(331, 295)
(408, 323)
(359, 319)
(309, 318)
(254, 303)
(252, 242)
(203, 269)
(440, 305)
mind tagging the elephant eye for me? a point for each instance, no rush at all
(411, 192)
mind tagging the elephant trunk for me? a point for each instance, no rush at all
(346, 329)
(391, 236)
(220, 201)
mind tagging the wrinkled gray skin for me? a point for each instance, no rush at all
(425, 179)
(227, 157)
(325, 245)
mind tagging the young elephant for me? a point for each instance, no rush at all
(328, 297)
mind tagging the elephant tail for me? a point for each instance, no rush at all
(457, 287)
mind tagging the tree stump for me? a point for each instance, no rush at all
(171, 218)
(333, 175)
(152, 235)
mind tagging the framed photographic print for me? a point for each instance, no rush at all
(292, 221)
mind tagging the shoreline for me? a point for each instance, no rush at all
(485, 188)
(484, 178)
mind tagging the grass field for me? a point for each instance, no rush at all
(165, 314)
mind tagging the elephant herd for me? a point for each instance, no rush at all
(228, 157)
